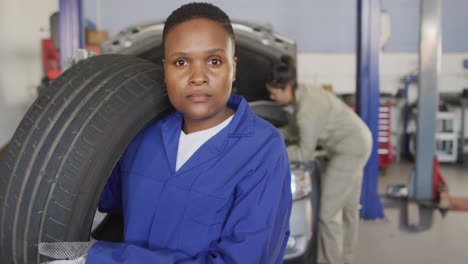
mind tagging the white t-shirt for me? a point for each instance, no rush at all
(189, 144)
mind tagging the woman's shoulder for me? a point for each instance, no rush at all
(265, 128)
(148, 133)
(264, 140)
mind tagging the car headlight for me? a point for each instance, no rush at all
(300, 181)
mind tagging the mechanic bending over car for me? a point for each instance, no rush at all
(321, 118)
(210, 183)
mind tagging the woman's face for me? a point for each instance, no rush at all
(199, 69)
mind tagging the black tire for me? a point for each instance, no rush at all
(66, 146)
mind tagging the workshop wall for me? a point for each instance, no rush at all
(20, 58)
(326, 35)
(326, 41)
(339, 69)
(405, 25)
(318, 26)
(330, 24)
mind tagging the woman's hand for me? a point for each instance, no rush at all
(66, 252)
(80, 260)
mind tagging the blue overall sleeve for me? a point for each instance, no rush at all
(256, 230)
(111, 197)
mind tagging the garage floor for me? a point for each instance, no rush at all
(384, 242)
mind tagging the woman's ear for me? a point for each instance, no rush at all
(164, 65)
(234, 64)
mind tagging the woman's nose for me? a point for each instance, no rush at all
(198, 76)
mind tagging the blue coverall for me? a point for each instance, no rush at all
(229, 203)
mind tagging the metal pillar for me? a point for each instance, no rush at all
(428, 98)
(367, 98)
(71, 32)
(405, 149)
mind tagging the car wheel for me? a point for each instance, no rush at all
(66, 146)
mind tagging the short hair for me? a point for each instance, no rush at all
(282, 72)
(198, 10)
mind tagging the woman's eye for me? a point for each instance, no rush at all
(214, 61)
(180, 63)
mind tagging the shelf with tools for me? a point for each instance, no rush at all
(385, 149)
(447, 136)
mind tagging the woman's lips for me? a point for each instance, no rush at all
(199, 97)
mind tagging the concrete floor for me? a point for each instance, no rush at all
(386, 242)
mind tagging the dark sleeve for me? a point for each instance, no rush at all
(111, 197)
